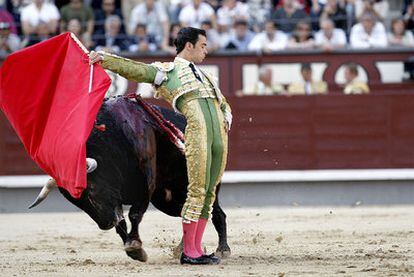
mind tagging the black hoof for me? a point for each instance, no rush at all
(134, 250)
(223, 252)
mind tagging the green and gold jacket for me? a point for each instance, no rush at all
(172, 80)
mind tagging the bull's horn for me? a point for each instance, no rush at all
(91, 165)
(51, 183)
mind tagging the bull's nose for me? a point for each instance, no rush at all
(107, 226)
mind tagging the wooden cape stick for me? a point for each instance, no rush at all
(79, 43)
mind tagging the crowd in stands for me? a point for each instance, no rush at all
(256, 25)
(266, 85)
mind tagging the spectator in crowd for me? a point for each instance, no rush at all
(142, 41)
(265, 84)
(153, 15)
(196, 12)
(259, 13)
(42, 34)
(240, 36)
(269, 40)
(15, 7)
(333, 9)
(9, 42)
(399, 36)
(378, 7)
(368, 33)
(113, 41)
(6, 17)
(175, 7)
(213, 37)
(408, 13)
(329, 37)
(231, 11)
(308, 86)
(287, 16)
(39, 12)
(168, 45)
(352, 84)
(302, 37)
(75, 27)
(107, 9)
(126, 8)
(76, 9)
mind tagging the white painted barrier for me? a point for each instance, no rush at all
(282, 176)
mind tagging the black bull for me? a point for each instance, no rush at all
(137, 164)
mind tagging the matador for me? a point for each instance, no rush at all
(194, 93)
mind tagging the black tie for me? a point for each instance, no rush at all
(195, 72)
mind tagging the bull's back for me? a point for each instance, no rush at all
(120, 122)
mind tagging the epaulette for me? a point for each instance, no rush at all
(161, 75)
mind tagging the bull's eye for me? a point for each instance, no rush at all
(92, 188)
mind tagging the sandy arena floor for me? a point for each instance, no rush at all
(361, 241)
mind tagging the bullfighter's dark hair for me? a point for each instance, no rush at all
(187, 34)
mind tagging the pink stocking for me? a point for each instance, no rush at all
(202, 222)
(189, 233)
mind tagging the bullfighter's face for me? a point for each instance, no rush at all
(198, 51)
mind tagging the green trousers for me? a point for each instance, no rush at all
(205, 152)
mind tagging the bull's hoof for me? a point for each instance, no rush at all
(134, 250)
(223, 252)
(137, 254)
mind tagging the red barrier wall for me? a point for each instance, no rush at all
(322, 132)
(300, 132)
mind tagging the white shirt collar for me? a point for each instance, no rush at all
(182, 60)
(187, 63)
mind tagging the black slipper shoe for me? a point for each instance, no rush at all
(202, 260)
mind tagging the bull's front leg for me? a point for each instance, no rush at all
(219, 222)
(145, 144)
(122, 230)
(133, 244)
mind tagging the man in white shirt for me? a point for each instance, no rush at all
(231, 11)
(195, 13)
(329, 37)
(9, 42)
(269, 40)
(153, 15)
(240, 37)
(37, 12)
(368, 33)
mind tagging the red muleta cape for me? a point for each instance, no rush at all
(44, 95)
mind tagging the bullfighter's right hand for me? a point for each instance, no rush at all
(95, 57)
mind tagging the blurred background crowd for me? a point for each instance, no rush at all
(254, 25)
